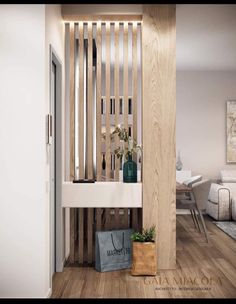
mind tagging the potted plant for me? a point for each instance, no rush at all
(127, 148)
(144, 258)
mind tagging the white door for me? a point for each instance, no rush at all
(52, 170)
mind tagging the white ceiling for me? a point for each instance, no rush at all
(206, 37)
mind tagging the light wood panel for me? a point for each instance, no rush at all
(104, 18)
(125, 77)
(72, 101)
(134, 82)
(159, 102)
(196, 259)
(98, 107)
(98, 219)
(117, 95)
(108, 142)
(90, 235)
(72, 234)
(81, 235)
(134, 105)
(81, 101)
(90, 101)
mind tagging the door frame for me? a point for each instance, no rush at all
(58, 216)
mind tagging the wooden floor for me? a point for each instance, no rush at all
(202, 271)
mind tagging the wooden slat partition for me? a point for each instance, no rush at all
(98, 112)
(125, 95)
(90, 101)
(85, 221)
(81, 100)
(159, 102)
(108, 58)
(117, 95)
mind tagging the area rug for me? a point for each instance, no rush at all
(228, 227)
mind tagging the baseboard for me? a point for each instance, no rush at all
(49, 293)
(184, 211)
(179, 211)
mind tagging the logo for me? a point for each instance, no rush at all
(122, 251)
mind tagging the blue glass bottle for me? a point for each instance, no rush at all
(130, 171)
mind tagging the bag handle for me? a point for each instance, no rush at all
(123, 242)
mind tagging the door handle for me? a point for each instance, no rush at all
(49, 129)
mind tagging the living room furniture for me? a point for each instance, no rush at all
(190, 181)
(197, 202)
(219, 202)
(183, 175)
(228, 179)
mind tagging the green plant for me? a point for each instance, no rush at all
(147, 235)
(126, 149)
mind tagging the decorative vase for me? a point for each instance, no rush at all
(144, 258)
(130, 171)
(179, 164)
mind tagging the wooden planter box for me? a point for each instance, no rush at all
(144, 259)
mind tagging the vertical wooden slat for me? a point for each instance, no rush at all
(98, 107)
(72, 101)
(107, 218)
(159, 110)
(72, 137)
(76, 237)
(81, 235)
(117, 218)
(108, 148)
(134, 82)
(125, 77)
(81, 101)
(134, 218)
(117, 97)
(134, 212)
(98, 219)
(72, 235)
(126, 217)
(90, 101)
(90, 235)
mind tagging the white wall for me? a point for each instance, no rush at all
(200, 119)
(54, 36)
(23, 227)
(25, 34)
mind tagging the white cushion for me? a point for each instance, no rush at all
(228, 176)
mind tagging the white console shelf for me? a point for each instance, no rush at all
(102, 195)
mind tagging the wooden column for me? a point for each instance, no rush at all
(159, 109)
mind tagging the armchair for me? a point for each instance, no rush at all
(228, 179)
(219, 202)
